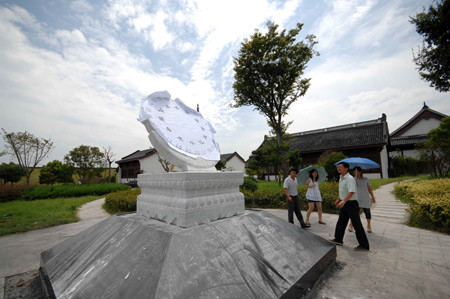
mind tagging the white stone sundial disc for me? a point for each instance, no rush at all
(182, 128)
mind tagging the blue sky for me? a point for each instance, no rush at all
(76, 71)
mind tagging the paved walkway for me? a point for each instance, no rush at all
(403, 262)
(20, 253)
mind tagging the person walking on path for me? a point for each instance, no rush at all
(313, 195)
(365, 196)
(290, 188)
(349, 209)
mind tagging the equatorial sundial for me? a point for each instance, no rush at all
(179, 133)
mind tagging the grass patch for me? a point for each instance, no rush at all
(31, 215)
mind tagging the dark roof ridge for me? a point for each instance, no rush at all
(340, 127)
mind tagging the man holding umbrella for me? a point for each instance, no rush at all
(349, 209)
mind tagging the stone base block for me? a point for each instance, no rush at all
(187, 199)
(254, 255)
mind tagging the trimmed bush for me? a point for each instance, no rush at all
(250, 184)
(276, 199)
(71, 190)
(429, 203)
(122, 201)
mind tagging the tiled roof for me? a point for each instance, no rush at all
(366, 134)
(226, 157)
(137, 155)
(408, 140)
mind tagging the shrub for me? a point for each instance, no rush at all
(43, 192)
(274, 198)
(11, 192)
(429, 203)
(250, 184)
(122, 201)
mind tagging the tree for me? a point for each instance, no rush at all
(10, 173)
(27, 149)
(294, 158)
(56, 172)
(268, 74)
(328, 160)
(108, 153)
(220, 165)
(433, 59)
(86, 160)
(436, 150)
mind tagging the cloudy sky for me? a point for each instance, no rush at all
(76, 71)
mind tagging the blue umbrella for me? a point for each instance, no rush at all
(361, 162)
(303, 174)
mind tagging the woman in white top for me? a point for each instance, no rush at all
(313, 195)
(365, 196)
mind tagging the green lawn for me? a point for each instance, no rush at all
(30, 215)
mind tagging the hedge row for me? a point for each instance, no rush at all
(122, 201)
(429, 203)
(71, 190)
(11, 192)
(276, 199)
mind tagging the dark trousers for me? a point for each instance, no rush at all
(351, 211)
(294, 206)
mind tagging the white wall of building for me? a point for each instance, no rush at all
(235, 164)
(422, 127)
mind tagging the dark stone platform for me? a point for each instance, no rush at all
(254, 255)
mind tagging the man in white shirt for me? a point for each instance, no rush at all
(290, 187)
(349, 209)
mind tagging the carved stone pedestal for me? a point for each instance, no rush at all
(187, 199)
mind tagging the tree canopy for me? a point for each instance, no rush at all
(27, 149)
(10, 173)
(433, 58)
(56, 172)
(86, 160)
(268, 75)
(437, 149)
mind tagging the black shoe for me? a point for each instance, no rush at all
(360, 248)
(306, 225)
(336, 242)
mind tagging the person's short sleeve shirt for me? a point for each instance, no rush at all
(291, 186)
(347, 184)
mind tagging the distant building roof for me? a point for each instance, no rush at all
(226, 157)
(424, 113)
(137, 155)
(362, 134)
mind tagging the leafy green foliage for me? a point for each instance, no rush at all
(250, 184)
(436, 151)
(328, 160)
(87, 162)
(122, 201)
(71, 190)
(56, 172)
(433, 59)
(268, 75)
(11, 173)
(429, 203)
(409, 166)
(220, 165)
